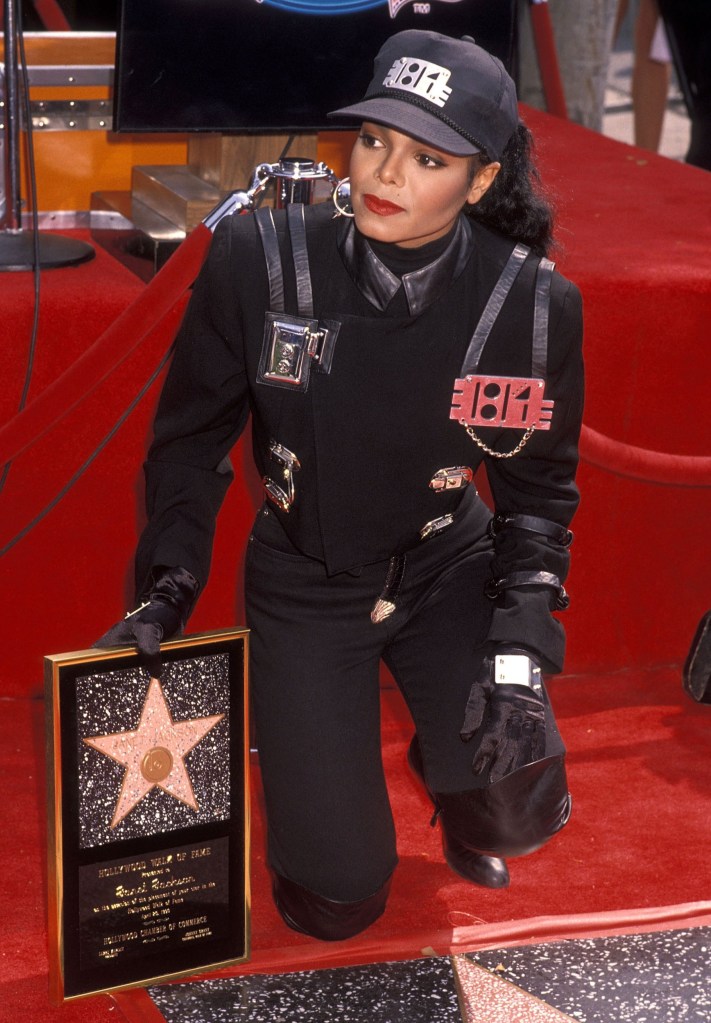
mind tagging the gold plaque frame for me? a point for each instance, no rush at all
(148, 814)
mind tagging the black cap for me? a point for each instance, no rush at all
(447, 92)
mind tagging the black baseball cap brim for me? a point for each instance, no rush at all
(411, 120)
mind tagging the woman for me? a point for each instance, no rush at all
(384, 354)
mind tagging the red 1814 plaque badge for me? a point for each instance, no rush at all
(515, 403)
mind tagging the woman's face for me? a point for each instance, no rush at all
(407, 192)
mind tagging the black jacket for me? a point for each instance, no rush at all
(370, 434)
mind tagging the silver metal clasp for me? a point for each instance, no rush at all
(436, 526)
(284, 457)
(291, 344)
(282, 496)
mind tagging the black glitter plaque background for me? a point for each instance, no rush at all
(111, 702)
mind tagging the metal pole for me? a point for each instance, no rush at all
(13, 210)
(18, 248)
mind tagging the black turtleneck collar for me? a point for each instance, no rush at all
(402, 261)
(379, 269)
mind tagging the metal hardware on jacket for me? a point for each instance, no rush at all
(436, 526)
(452, 478)
(290, 464)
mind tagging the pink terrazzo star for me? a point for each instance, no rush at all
(154, 754)
(485, 997)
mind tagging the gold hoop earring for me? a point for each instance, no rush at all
(345, 210)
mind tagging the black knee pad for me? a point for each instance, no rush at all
(326, 919)
(514, 816)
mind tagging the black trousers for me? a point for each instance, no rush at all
(314, 659)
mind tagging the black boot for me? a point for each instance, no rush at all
(697, 667)
(513, 816)
(488, 871)
(309, 913)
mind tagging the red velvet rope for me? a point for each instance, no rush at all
(108, 352)
(52, 16)
(641, 464)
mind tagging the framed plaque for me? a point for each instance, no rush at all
(148, 813)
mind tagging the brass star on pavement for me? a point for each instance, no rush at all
(154, 754)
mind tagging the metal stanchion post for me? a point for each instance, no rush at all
(21, 249)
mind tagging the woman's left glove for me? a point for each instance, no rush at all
(163, 615)
(507, 700)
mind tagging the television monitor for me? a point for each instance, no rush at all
(235, 66)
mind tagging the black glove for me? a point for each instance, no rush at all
(513, 717)
(163, 615)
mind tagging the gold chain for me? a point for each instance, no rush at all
(500, 454)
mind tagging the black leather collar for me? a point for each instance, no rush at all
(422, 287)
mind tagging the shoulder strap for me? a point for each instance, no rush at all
(270, 243)
(539, 349)
(275, 272)
(492, 309)
(300, 255)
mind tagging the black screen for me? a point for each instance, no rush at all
(275, 65)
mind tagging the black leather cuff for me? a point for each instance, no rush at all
(515, 580)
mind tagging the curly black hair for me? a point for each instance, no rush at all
(515, 203)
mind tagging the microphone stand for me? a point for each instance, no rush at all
(18, 247)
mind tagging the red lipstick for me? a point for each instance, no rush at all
(381, 206)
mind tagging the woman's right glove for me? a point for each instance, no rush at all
(163, 615)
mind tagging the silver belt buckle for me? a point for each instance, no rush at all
(436, 526)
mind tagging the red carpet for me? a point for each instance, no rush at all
(640, 773)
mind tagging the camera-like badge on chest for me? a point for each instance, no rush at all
(515, 403)
(292, 345)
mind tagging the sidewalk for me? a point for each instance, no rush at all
(617, 120)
